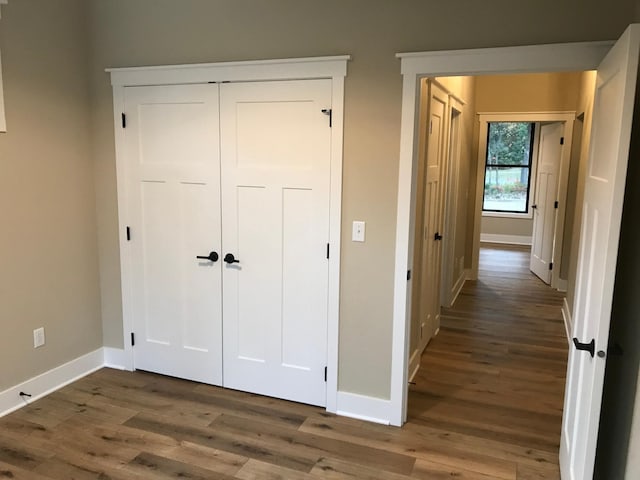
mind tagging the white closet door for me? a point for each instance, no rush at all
(275, 144)
(172, 149)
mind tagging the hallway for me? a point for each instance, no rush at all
(495, 373)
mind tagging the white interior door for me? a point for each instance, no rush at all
(276, 155)
(450, 266)
(172, 150)
(546, 194)
(600, 231)
(432, 246)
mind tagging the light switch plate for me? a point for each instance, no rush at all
(358, 231)
(38, 337)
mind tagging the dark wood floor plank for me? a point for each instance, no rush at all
(8, 471)
(256, 470)
(334, 469)
(315, 445)
(207, 458)
(157, 467)
(252, 447)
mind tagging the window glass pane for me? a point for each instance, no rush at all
(509, 143)
(505, 189)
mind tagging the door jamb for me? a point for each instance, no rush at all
(567, 119)
(334, 68)
(526, 59)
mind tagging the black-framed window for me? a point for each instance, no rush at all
(507, 174)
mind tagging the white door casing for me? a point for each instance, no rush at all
(417, 65)
(332, 68)
(600, 232)
(276, 152)
(546, 194)
(173, 162)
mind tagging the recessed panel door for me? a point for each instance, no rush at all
(433, 214)
(275, 143)
(172, 151)
(599, 235)
(546, 194)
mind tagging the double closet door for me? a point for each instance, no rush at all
(228, 197)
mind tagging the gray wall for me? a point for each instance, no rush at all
(146, 32)
(48, 244)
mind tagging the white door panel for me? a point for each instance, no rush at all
(546, 194)
(172, 151)
(275, 144)
(600, 231)
(433, 215)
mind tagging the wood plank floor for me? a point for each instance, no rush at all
(486, 405)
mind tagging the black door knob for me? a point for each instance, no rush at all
(587, 347)
(437, 236)
(212, 257)
(229, 258)
(534, 206)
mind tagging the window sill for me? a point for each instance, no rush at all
(523, 216)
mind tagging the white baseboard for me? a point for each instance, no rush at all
(50, 381)
(352, 405)
(370, 409)
(511, 239)
(468, 274)
(568, 322)
(115, 358)
(457, 287)
(414, 363)
(562, 285)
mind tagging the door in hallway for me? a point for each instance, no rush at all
(599, 236)
(433, 215)
(546, 194)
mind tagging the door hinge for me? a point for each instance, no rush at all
(327, 251)
(551, 266)
(128, 233)
(329, 112)
(561, 140)
(408, 275)
(133, 339)
(556, 204)
(124, 120)
(430, 127)
(325, 374)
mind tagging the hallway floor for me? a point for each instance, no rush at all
(495, 374)
(486, 405)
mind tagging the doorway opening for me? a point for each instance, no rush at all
(600, 226)
(494, 170)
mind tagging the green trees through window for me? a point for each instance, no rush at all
(508, 167)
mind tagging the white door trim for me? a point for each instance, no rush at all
(334, 68)
(3, 121)
(534, 58)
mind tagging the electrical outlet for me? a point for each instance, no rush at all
(38, 337)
